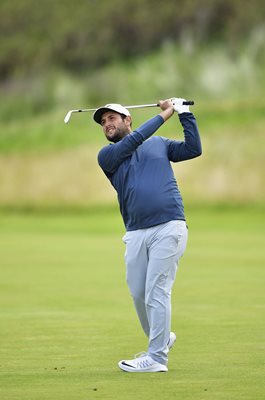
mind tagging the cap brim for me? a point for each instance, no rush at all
(98, 114)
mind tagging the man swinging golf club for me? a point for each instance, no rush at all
(138, 166)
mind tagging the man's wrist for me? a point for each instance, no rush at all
(167, 113)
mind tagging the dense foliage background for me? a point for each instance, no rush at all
(85, 34)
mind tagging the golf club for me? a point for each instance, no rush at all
(69, 114)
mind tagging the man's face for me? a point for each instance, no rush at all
(114, 126)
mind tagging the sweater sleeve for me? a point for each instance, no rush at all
(110, 157)
(191, 146)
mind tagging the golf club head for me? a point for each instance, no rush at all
(68, 116)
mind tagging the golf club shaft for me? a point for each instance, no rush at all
(184, 103)
(68, 115)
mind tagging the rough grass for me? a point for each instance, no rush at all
(226, 88)
(67, 317)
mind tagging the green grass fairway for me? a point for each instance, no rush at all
(67, 318)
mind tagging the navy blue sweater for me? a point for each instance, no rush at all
(140, 171)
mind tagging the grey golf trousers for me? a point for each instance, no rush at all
(151, 258)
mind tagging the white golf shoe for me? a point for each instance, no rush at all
(143, 363)
(171, 341)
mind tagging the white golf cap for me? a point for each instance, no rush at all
(118, 108)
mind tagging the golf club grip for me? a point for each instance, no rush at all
(186, 103)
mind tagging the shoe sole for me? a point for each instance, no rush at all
(126, 368)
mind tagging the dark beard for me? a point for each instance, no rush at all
(119, 135)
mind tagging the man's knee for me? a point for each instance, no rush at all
(159, 292)
(137, 294)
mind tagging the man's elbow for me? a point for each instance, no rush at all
(199, 152)
(196, 152)
(198, 149)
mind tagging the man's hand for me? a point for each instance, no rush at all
(177, 103)
(167, 109)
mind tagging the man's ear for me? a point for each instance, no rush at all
(128, 121)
